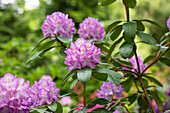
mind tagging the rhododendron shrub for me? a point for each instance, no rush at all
(89, 55)
(17, 96)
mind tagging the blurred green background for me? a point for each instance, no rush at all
(20, 30)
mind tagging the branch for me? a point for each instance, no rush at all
(124, 65)
(125, 108)
(155, 60)
(125, 70)
(146, 94)
(127, 11)
(137, 61)
(60, 42)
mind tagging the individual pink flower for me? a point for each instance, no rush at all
(134, 64)
(168, 23)
(58, 24)
(47, 77)
(82, 54)
(91, 109)
(78, 88)
(91, 28)
(65, 100)
(108, 89)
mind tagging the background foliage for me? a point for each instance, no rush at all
(20, 31)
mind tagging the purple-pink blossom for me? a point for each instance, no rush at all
(82, 54)
(44, 92)
(134, 64)
(14, 94)
(65, 100)
(168, 23)
(108, 89)
(47, 77)
(58, 24)
(91, 28)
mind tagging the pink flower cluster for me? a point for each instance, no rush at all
(17, 96)
(14, 94)
(108, 89)
(134, 64)
(58, 24)
(82, 54)
(65, 100)
(44, 92)
(91, 28)
(168, 23)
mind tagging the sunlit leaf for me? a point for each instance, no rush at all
(84, 74)
(146, 38)
(130, 28)
(106, 2)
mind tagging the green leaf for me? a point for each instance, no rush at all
(102, 47)
(114, 80)
(127, 84)
(161, 93)
(100, 110)
(130, 28)
(73, 84)
(109, 72)
(145, 82)
(83, 110)
(68, 94)
(126, 49)
(39, 43)
(165, 60)
(152, 79)
(46, 45)
(165, 36)
(42, 110)
(65, 39)
(59, 108)
(130, 3)
(100, 101)
(62, 53)
(111, 26)
(162, 48)
(152, 22)
(53, 106)
(142, 103)
(45, 50)
(157, 100)
(140, 26)
(148, 58)
(113, 76)
(39, 54)
(84, 74)
(132, 98)
(71, 111)
(113, 47)
(167, 111)
(106, 2)
(34, 56)
(68, 76)
(99, 76)
(147, 38)
(115, 33)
